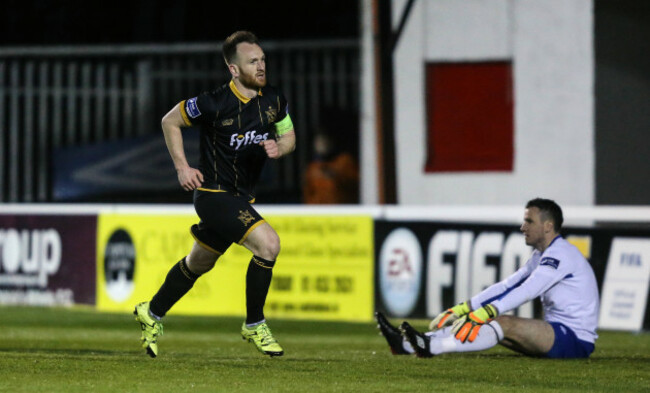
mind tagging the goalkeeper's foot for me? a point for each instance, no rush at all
(392, 334)
(419, 341)
(151, 328)
(261, 336)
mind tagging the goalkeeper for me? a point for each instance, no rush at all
(556, 272)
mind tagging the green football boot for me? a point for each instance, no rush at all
(151, 328)
(261, 336)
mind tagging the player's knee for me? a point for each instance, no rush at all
(507, 322)
(200, 266)
(271, 247)
(200, 262)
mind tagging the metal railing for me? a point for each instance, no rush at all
(54, 97)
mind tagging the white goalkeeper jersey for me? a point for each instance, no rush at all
(565, 283)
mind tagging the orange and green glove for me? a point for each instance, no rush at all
(467, 327)
(449, 316)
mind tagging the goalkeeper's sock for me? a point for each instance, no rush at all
(489, 335)
(178, 282)
(438, 334)
(442, 333)
(408, 347)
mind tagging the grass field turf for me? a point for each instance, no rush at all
(80, 350)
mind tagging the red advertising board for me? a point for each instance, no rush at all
(47, 259)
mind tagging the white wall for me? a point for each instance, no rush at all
(550, 43)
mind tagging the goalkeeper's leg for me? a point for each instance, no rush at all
(488, 336)
(444, 341)
(532, 337)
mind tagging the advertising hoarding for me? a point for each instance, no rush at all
(47, 259)
(424, 268)
(324, 270)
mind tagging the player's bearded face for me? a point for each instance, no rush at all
(533, 227)
(252, 65)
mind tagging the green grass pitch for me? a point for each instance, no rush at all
(80, 350)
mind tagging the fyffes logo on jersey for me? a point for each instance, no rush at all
(249, 138)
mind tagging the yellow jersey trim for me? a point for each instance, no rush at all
(203, 245)
(186, 119)
(210, 189)
(260, 263)
(248, 232)
(218, 190)
(239, 94)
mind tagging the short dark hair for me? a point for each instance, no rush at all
(549, 210)
(229, 47)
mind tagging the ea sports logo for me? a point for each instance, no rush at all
(119, 265)
(400, 272)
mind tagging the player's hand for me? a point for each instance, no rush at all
(449, 316)
(271, 148)
(467, 327)
(189, 178)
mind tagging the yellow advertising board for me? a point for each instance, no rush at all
(324, 271)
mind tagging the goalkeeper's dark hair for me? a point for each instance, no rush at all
(229, 47)
(549, 211)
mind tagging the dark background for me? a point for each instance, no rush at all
(61, 23)
(43, 22)
(622, 95)
(621, 45)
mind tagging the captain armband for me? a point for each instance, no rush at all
(283, 126)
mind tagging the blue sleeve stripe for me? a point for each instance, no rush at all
(504, 293)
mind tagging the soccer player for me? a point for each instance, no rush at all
(242, 123)
(556, 272)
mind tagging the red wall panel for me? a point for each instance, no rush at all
(470, 117)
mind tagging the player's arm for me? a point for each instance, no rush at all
(286, 143)
(501, 288)
(467, 327)
(494, 291)
(286, 139)
(188, 177)
(539, 281)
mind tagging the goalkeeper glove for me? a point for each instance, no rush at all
(449, 316)
(468, 326)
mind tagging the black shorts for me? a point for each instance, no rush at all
(225, 219)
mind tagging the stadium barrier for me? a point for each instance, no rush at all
(337, 263)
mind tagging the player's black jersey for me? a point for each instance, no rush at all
(232, 127)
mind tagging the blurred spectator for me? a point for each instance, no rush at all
(333, 176)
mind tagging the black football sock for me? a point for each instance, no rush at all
(179, 280)
(258, 281)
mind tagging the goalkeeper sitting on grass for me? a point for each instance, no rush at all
(556, 272)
